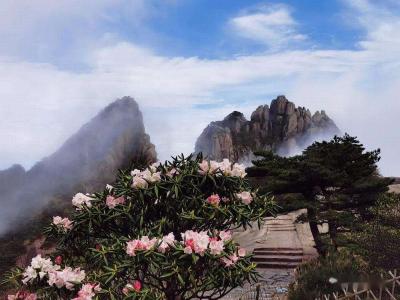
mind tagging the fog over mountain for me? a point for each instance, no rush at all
(88, 160)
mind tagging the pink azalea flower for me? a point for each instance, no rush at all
(225, 235)
(58, 260)
(137, 285)
(208, 167)
(195, 241)
(88, 291)
(230, 260)
(81, 199)
(214, 199)
(246, 197)
(242, 252)
(143, 244)
(172, 172)
(166, 242)
(64, 223)
(216, 247)
(112, 202)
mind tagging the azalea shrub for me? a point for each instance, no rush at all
(163, 232)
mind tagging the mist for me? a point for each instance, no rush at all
(86, 162)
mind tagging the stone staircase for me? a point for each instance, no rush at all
(282, 248)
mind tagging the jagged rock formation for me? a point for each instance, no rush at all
(282, 128)
(88, 160)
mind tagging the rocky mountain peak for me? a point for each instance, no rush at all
(89, 159)
(280, 126)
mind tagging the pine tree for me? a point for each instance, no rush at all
(158, 233)
(338, 180)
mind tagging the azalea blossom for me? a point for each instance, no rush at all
(214, 199)
(246, 197)
(238, 170)
(109, 187)
(230, 260)
(39, 267)
(195, 241)
(135, 286)
(88, 291)
(225, 235)
(153, 167)
(64, 223)
(81, 199)
(166, 242)
(216, 247)
(143, 244)
(208, 167)
(58, 260)
(22, 295)
(141, 179)
(112, 202)
(172, 172)
(242, 252)
(139, 183)
(67, 277)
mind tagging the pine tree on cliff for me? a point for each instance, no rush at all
(338, 180)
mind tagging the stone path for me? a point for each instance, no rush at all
(281, 247)
(278, 248)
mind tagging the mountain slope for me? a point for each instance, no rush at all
(282, 127)
(88, 160)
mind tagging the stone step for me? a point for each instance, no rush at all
(282, 229)
(277, 258)
(278, 249)
(278, 253)
(277, 265)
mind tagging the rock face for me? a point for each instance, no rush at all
(88, 160)
(281, 127)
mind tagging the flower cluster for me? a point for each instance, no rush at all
(22, 295)
(141, 179)
(88, 291)
(246, 197)
(194, 242)
(63, 223)
(134, 286)
(214, 199)
(232, 259)
(112, 202)
(137, 245)
(81, 199)
(41, 267)
(166, 242)
(226, 167)
(199, 242)
(67, 277)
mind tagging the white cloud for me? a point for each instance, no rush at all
(272, 25)
(42, 105)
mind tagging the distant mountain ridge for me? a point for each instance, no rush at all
(88, 160)
(281, 127)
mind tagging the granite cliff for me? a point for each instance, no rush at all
(281, 127)
(88, 160)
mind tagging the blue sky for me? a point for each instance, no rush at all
(189, 62)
